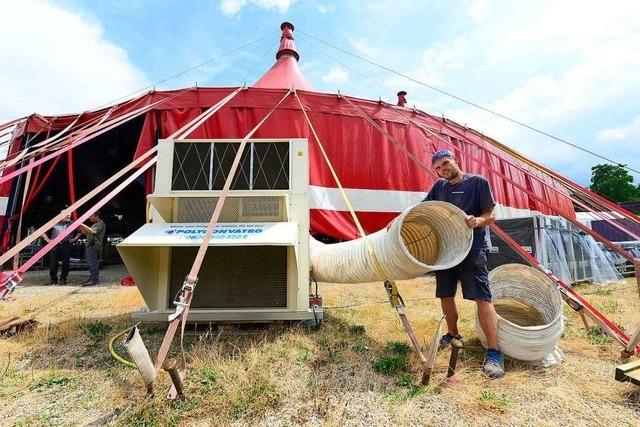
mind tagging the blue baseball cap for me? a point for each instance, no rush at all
(441, 154)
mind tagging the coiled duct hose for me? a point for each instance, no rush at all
(529, 306)
(425, 237)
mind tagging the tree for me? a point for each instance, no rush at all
(614, 182)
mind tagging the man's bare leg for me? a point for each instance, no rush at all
(488, 322)
(450, 310)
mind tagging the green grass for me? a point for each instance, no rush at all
(52, 382)
(393, 359)
(597, 337)
(491, 398)
(358, 329)
(605, 292)
(96, 330)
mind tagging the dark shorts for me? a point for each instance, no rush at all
(471, 272)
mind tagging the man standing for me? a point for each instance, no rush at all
(472, 194)
(60, 252)
(93, 246)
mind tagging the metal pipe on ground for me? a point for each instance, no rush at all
(428, 236)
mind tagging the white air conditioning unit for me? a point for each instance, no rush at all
(257, 265)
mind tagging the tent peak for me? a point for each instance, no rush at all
(287, 45)
(285, 73)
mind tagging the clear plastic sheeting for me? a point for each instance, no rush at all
(571, 254)
(623, 265)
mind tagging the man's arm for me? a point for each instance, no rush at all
(85, 229)
(488, 217)
(487, 203)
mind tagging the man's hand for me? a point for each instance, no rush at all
(474, 221)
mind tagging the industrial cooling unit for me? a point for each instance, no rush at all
(257, 265)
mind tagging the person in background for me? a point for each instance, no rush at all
(60, 252)
(93, 247)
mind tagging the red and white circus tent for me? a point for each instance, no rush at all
(380, 177)
(381, 153)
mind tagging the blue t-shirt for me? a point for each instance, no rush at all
(473, 195)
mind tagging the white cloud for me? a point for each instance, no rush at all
(568, 62)
(478, 10)
(363, 47)
(336, 75)
(60, 62)
(627, 132)
(233, 7)
(324, 8)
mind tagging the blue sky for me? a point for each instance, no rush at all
(571, 68)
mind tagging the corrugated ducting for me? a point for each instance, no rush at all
(428, 236)
(530, 320)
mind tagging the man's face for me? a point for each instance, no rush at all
(67, 216)
(446, 168)
(94, 218)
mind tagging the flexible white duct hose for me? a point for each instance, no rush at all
(140, 356)
(425, 237)
(534, 290)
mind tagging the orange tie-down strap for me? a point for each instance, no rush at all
(10, 280)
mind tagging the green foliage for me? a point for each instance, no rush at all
(493, 399)
(96, 330)
(597, 337)
(389, 365)
(359, 347)
(604, 292)
(259, 396)
(52, 382)
(614, 182)
(358, 329)
(416, 391)
(404, 380)
(398, 347)
(209, 379)
(393, 359)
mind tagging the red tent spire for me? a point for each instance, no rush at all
(285, 72)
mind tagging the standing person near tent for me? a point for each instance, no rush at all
(93, 246)
(61, 253)
(473, 195)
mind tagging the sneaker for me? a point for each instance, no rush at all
(494, 364)
(52, 283)
(63, 282)
(89, 283)
(445, 340)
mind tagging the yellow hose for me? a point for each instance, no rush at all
(113, 352)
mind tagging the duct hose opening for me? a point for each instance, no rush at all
(529, 308)
(435, 234)
(425, 237)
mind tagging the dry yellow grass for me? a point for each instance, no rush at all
(62, 374)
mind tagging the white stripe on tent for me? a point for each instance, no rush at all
(363, 200)
(386, 201)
